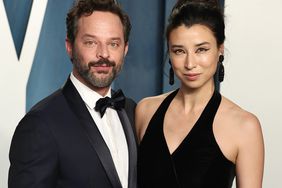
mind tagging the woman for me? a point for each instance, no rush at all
(194, 137)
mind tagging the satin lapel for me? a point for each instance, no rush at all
(95, 138)
(132, 148)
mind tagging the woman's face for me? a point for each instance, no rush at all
(194, 55)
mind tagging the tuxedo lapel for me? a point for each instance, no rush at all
(94, 136)
(132, 148)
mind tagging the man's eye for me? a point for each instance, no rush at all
(89, 43)
(114, 44)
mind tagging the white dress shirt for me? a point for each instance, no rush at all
(110, 128)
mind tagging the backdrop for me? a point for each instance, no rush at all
(34, 62)
(145, 70)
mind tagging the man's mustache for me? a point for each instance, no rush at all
(102, 62)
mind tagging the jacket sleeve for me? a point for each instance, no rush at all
(33, 155)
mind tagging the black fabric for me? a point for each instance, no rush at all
(58, 145)
(117, 101)
(197, 162)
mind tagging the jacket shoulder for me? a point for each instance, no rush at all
(50, 101)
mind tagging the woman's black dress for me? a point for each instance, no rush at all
(198, 161)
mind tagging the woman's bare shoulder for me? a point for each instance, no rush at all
(240, 120)
(239, 115)
(151, 103)
(145, 110)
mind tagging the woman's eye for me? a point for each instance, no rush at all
(201, 50)
(178, 51)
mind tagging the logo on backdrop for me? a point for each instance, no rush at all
(20, 25)
(18, 16)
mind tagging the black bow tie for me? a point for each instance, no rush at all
(116, 102)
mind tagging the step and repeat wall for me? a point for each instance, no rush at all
(34, 62)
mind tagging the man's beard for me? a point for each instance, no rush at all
(84, 70)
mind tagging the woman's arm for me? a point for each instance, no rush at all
(250, 158)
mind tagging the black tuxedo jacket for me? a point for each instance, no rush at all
(58, 145)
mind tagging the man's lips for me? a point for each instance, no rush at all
(101, 65)
(102, 68)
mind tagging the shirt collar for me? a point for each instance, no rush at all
(89, 96)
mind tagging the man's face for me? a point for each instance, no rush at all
(98, 50)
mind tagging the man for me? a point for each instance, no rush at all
(68, 140)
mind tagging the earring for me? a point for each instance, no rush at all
(171, 74)
(220, 69)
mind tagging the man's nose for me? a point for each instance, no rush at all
(102, 51)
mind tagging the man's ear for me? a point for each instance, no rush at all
(126, 48)
(69, 47)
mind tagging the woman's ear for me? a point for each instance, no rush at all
(221, 49)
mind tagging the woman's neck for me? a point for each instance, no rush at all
(193, 99)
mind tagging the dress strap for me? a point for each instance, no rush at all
(210, 111)
(165, 104)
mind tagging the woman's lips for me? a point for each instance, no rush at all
(192, 76)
